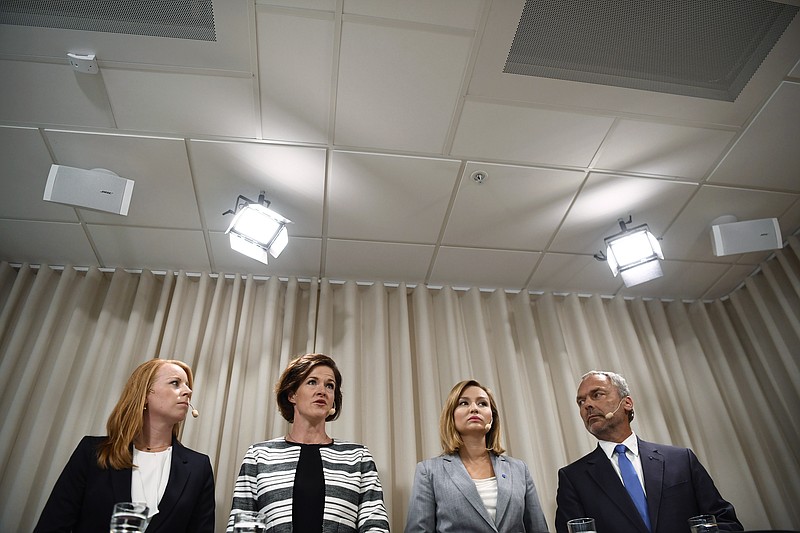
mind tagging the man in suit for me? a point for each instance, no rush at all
(607, 483)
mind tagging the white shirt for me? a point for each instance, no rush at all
(487, 490)
(149, 480)
(632, 454)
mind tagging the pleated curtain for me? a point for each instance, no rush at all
(721, 377)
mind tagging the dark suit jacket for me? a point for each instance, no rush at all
(444, 499)
(85, 494)
(677, 487)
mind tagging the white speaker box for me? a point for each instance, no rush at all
(746, 236)
(97, 189)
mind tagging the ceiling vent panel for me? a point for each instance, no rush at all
(708, 48)
(179, 19)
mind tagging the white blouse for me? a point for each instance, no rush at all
(487, 490)
(149, 480)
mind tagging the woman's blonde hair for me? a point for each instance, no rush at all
(450, 437)
(126, 420)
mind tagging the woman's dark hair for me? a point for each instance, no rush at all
(294, 374)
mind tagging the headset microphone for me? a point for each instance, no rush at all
(487, 427)
(610, 415)
(332, 411)
(195, 412)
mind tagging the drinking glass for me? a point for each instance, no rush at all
(705, 523)
(129, 517)
(581, 525)
(249, 522)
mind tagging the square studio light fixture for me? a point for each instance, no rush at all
(634, 254)
(256, 230)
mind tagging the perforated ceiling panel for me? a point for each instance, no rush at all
(180, 19)
(704, 48)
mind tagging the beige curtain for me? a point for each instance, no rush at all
(721, 377)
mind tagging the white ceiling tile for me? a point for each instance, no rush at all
(293, 178)
(376, 261)
(47, 88)
(454, 13)
(182, 103)
(728, 281)
(790, 220)
(296, 87)
(388, 198)
(606, 198)
(27, 163)
(689, 237)
(301, 258)
(680, 282)
(766, 154)
(524, 134)
(573, 273)
(663, 149)
(795, 73)
(37, 242)
(514, 207)
(149, 248)
(163, 194)
(323, 5)
(482, 268)
(398, 87)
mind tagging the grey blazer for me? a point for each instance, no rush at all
(444, 499)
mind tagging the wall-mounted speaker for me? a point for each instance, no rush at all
(97, 189)
(746, 236)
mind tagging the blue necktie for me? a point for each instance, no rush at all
(632, 485)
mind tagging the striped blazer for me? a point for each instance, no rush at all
(353, 493)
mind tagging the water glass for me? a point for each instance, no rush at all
(249, 522)
(581, 525)
(705, 523)
(129, 517)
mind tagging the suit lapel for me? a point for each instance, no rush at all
(178, 476)
(120, 484)
(653, 470)
(600, 470)
(502, 474)
(461, 480)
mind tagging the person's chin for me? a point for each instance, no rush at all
(596, 425)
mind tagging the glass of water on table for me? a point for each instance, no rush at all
(581, 525)
(249, 522)
(129, 517)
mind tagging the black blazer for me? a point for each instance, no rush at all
(677, 487)
(85, 494)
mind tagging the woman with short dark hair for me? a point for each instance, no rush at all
(305, 480)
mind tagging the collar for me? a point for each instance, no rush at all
(632, 443)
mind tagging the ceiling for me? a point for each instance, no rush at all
(363, 120)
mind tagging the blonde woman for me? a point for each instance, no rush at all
(473, 486)
(140, 459)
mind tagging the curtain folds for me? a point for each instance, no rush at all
(720, 377)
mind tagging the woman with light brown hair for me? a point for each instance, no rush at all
(472, 486)
(140, 459)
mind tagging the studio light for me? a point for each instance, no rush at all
(256, 230)
(633, 253)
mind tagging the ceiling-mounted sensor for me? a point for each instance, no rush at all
(83, 63)
(479, 176)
